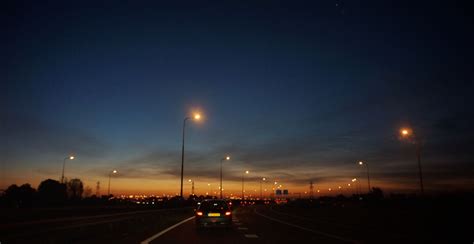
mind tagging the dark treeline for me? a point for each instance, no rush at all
(52, 193)
(49, 193)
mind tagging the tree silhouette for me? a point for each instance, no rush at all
(22, 196)
(51, 192)
(75, 188)
(376, 193)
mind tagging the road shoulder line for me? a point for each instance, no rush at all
(166, 230)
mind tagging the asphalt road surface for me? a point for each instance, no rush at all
(279, 224)
(254, 225)
(251, 224)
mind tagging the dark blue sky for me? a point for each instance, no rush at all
(292, 90)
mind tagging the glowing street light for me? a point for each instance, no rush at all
(405, 132)
(110, 176)
(192, 186)
(368, 175)
(408, 133)
(195, 117)
(263, 179)
(226, 158)
(64, 165)
(358, 185)
(243, 175)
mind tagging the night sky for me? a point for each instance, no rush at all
(292, 90)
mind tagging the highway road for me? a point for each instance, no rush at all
(253, 224)
(278, 224)
(122, 226)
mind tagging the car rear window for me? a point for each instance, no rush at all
(213, 206)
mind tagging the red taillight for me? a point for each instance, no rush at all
(199, 213)
(228, 213)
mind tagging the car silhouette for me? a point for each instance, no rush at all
(213, 212)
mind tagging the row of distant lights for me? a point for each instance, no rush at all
(144, 203)
(339, 187)
(142, 196)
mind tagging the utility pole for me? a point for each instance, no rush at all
(311, 192)
(97, 189)
(418, 157)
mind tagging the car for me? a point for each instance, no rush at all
(213, 212)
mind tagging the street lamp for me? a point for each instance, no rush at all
(64, 165)
(358, 185)
(349, 186)
(209, 192)
(408, 133)
(192, 186)
(195, 117)
(110, 176)
(263, 179)
(368, 176)
(226, 158)
(243, 175)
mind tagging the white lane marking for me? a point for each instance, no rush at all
(251, 236)
(306, 229)
(242, 228)
(166, 230)
(237, 223)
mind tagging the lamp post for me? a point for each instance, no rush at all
(64, 165)
(368, 175)
(358, 186)
(226, 158)
(407, 133)
(243, 176)
(261, 195)
(209, 192)
(110, 176)
(196, 117)
(192, 186)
